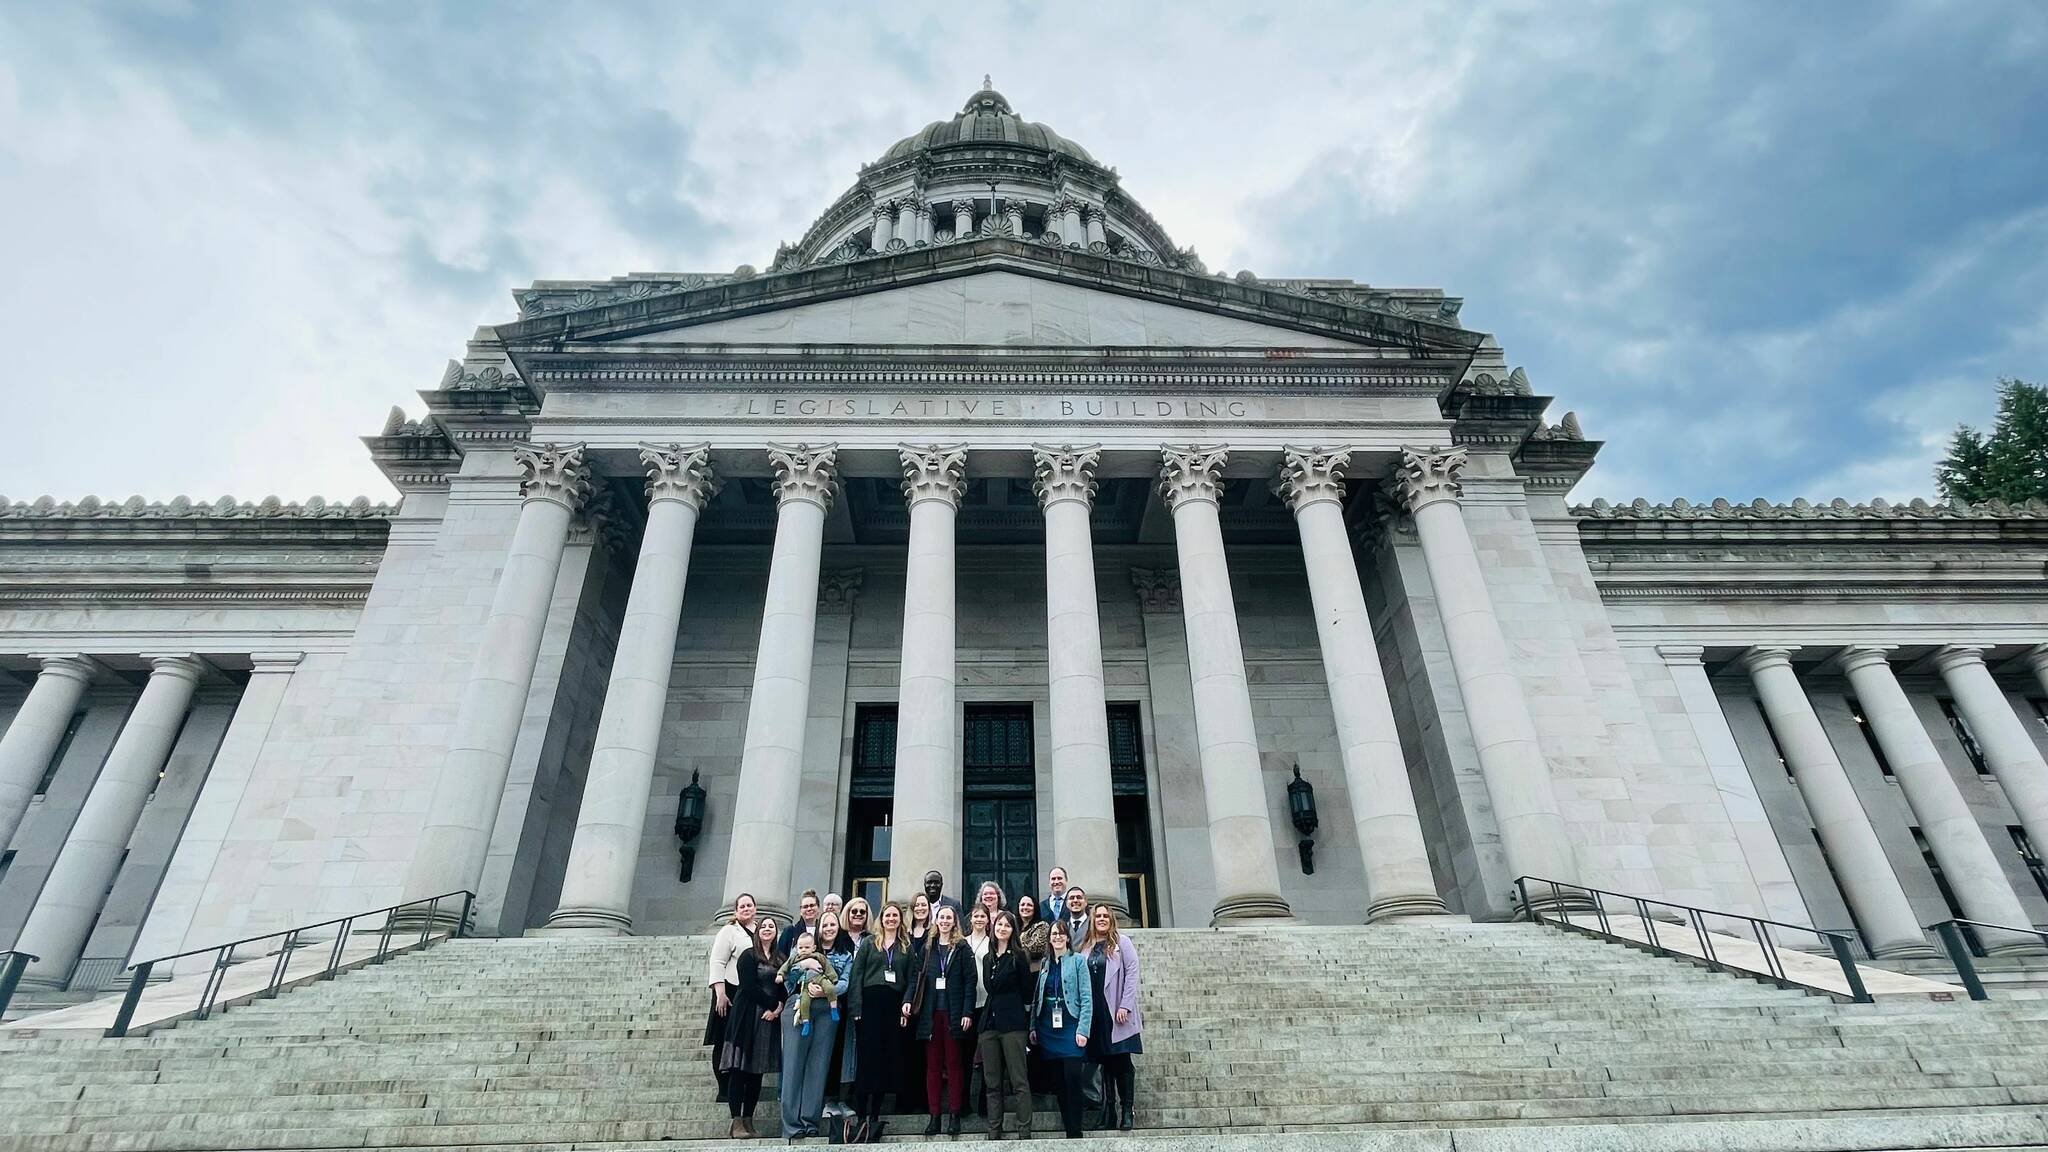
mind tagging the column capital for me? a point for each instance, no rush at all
(1959, 656)
(68, 665)
(554, 472)
(181, 665)
(1427, 476)
(1191, 474)
(679, 472)
(274, 661)
(1679, 655)
(1779, 656)
(885, 210)
(1311, 476)
(2037, 659)
(1859, 656)
(1064, 473)
(1158, 590)
(803, 472)
(933, 472)
(837, 589)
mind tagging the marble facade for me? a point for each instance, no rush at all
(1021, 453)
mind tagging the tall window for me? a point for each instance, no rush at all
(1963, 737)
(57, 757)
(1869, 738)
(1948, 895)
(1133, 813)
(870, 804)
(2036, 867)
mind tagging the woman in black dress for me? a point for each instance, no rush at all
(753, 1032)
(881, 975)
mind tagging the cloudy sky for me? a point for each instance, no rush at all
(1765, 249)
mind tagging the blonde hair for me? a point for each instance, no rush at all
(846, 910)
(957, 935)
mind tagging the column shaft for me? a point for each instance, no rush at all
(925, 806)
(597, 889)
(464, 807)
(771, 761)
(1083, 801)
(77, 886)
(1945, 819)
(33, 735)
(1859, 862)
(1532, 829)
(2001, 738)
(1398, 880)
(1233, 780)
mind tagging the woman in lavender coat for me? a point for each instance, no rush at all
(1114, 1039)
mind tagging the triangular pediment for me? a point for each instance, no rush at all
(989, 292)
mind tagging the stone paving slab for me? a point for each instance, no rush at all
(1823, 973)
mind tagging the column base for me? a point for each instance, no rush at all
(568, 921)
(1406, 908)
(1907, 951)
(1252, 911)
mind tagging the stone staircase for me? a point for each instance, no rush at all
(1419, 1036)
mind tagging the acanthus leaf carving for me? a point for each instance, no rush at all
(804, 472)
(1192, 473)
(677, 472)
(1308, 476)
(554, 472)
(933, 472)
(1064, 473)
(1426, 475)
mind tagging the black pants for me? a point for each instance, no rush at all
(1073, 1087)
(742, 1092)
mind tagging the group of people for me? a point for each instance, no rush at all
(908, 1002)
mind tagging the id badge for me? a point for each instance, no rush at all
(942, 983)
(889, 974)
(1059, 1015)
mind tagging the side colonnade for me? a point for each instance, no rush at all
(68, 905)
(1865, 876)
(603, 856)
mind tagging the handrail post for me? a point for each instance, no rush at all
(1847, 959)
(284, 959)
(340, 943)
(427, 922)
(1959, 954)
(10, 976)
(462, 926)
(136, 983)
(1522, 887)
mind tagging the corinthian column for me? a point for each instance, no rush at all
(471, 785)
(885, 226)
(1945, 819)
(1083, 803)
(77, 886)
(1233, 783)
(1397, 877)
(924, 811)
(1858, 860)
(1532, 830)
(597, 889)
(772, 760)
(2007, 749)
(33, 735)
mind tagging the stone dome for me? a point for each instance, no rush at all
(986, 118)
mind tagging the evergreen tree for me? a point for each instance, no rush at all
(2011, 464)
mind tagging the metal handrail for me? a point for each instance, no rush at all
(224, 954)
(1956, 938)
(1839, 943)
(12, 965)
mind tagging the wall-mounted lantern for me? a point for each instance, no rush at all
(689, 822)
(1301, 805)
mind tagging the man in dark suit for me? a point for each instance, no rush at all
(1054, 906)
(1075, 914)
(934, 886)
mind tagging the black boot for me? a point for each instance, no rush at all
(1127, 1091)
(931, 1126)
(953, 1124)
(1107, 1120)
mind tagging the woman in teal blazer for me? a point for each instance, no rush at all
(1061, 1012)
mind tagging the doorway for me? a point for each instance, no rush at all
(999, 770)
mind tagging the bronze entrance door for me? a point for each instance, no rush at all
(1000, 832)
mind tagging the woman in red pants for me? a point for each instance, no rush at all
(943, 1006)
